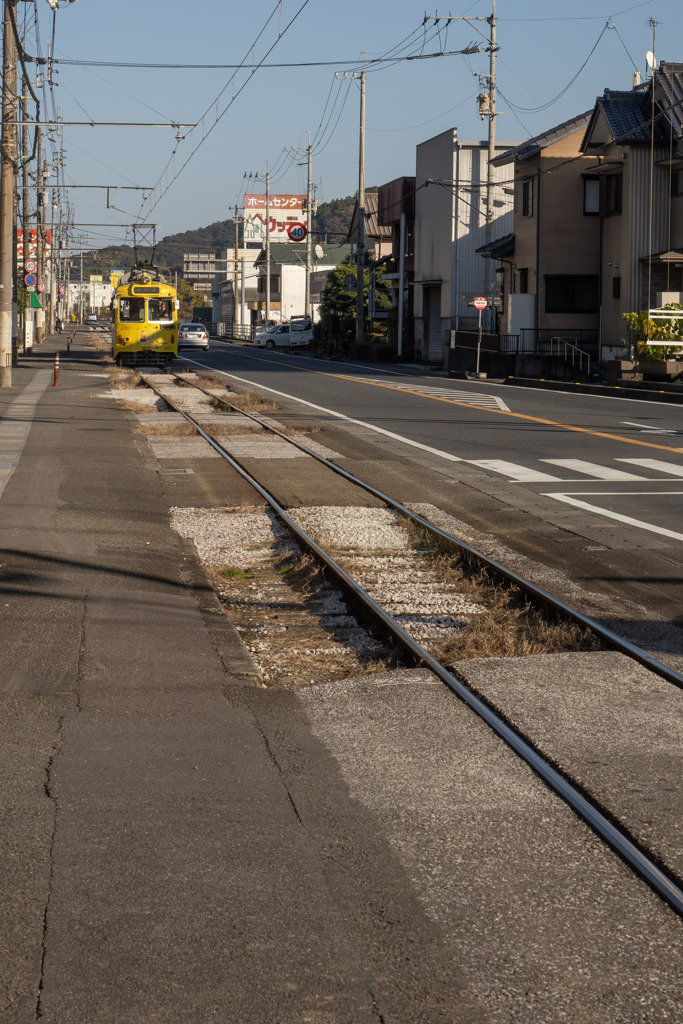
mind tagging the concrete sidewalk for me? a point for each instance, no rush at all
(155, 863)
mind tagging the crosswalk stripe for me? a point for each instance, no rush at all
(657, 465)
(591, 469)
(481, 401)
(514, 472)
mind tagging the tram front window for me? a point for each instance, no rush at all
(160, 311)
(132, 310)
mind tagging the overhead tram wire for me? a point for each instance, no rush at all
(220, 116)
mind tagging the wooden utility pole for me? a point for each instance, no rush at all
(8, 157)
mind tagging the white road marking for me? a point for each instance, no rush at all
(657, 464)
(18, 418)
(481, 401)
(617, 516)
(337, 415)
(593, 470)
(649, 430)
(514, 472)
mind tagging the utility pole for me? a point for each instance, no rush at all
(25, 205)
(267, 244)
(360, 254)
(235, 270)
(491, 114)
(309, 221)
(41, 173)
(7, 181)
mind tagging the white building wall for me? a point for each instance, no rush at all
(450, 225)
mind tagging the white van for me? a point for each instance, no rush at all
(298, 332)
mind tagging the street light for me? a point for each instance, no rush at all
(54, 4)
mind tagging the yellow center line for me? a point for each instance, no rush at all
(499, 412)
(502, 412)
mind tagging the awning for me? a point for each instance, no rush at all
(498, 248)
(669, 256)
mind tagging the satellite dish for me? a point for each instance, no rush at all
(319, 252)
(650, 59)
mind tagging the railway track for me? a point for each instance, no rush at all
(661, 878)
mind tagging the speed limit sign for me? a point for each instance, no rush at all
(29, 265)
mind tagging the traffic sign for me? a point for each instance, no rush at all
(30, 288)
(41, 286)
(480, 303)
(29, 265)
(297, 231)
(30, 280)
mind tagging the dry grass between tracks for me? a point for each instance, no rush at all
(509, 625)
(292, 620)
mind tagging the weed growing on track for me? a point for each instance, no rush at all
(509, 625)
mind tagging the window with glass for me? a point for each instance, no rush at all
(528, 198)
(591, 195)
(131, 310)
(160, 311)
(572, 293)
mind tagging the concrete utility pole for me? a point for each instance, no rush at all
(40, 238)
(267, 244)
(235, 270)
(309, 220)
(492, 124)
(360, 252)
(8, 157)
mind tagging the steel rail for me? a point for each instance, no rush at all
(474, 556)
(638, 860)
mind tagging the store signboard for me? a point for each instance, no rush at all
(283, 210)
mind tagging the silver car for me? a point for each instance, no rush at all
(193, 336)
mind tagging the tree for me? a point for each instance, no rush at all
(189, 298)
(660, 329)
(338, 304)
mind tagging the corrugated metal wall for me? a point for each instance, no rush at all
(639, 223)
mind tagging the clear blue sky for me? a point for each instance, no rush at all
(542, 49)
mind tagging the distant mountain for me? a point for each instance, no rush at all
(330, 223)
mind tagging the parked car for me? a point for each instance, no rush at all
(292, 335)
(193, 336)
(91, 318)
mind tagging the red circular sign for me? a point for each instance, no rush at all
(480, 303)
(29, 265)
(297, 231)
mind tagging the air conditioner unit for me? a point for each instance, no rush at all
(664, 298)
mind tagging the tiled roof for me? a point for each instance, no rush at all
(498, 248)
(539, 142)
(373, 228)
(629, 116)
(669, 92)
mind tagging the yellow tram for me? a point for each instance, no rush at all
(145, 318)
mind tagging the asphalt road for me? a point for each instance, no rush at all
(589, 485)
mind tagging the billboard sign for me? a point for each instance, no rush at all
(284, 211)
(32, 244)
(115, 277)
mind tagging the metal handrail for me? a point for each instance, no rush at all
(574, 350)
